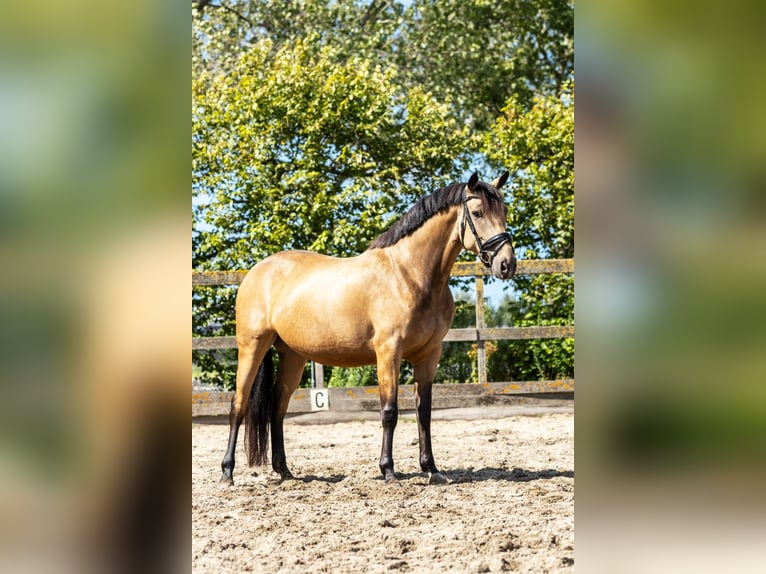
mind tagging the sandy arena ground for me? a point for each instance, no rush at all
(509, 505)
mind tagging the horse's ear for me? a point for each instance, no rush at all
(472, 181)
(500, 181)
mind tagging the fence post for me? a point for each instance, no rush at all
(317, 372)
(481, 355)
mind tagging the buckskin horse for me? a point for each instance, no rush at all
(389, 303)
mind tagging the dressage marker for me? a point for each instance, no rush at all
(320, 400)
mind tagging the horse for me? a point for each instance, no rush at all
(389, 303)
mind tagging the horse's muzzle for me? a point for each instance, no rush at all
(497, 254)
(504, 266)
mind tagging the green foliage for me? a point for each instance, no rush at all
(527, 360)
(456, 364)
(213, 315)
(296, 151)
(537, 145)
(476, 53)
(356, 377)
(353, 28)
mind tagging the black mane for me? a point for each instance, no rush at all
(425, 208)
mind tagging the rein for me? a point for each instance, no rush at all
(489, 248)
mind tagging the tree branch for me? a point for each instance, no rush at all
(202, 3)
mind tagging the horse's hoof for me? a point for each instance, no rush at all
(437, 478)
(391, 479)
(226, 481)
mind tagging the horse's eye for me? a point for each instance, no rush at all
(476, 214)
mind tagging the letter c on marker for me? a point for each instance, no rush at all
(320, 400)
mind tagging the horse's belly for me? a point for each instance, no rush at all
(324, 342)
(334, 359)
(334, 354)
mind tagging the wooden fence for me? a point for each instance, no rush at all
(445, 396)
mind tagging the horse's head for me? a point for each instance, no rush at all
(482, 224)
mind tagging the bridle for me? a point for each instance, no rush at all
(489, 248)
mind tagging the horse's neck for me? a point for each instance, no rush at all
(427, 256)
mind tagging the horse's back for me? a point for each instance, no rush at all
(287, 270)
(269, 279)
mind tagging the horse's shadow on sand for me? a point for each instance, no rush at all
(468, 475)
(314, 478)
(513, 475)
(457, 476)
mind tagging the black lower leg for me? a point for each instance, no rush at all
(278, 459)
(389, 415)
(227, 465)
(427, 463)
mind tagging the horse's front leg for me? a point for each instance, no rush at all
(424, 376)
(388, 380)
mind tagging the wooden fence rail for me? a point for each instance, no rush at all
(486, 393)
(460, 269)
(469, 334)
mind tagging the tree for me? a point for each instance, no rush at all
(292, 150)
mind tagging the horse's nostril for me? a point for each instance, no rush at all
(503, 267)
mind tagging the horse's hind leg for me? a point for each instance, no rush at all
(290, 372)
(250, 356)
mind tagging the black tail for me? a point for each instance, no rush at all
(258, 418)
